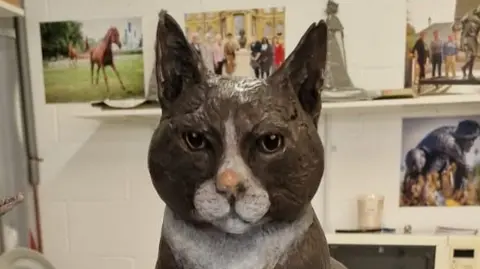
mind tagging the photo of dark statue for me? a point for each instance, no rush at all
(338, 85)
(438, 162)
(469, 41)
(242, 41)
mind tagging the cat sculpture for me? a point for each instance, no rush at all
(237, 161)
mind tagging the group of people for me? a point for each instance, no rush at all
(219, 55)
(265, 58)
(438, 52)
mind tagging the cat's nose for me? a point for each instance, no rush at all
(229, 183)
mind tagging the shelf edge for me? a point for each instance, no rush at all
(8, 10)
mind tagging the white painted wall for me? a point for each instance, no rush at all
(98, 207)
(101, 211)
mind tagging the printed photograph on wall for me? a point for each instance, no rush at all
(442, 46)
(248, 43)
(92, 60)
(338, 84)
(440, 163)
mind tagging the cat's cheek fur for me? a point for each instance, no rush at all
(172, 167)
(294, 182)
(209, 204)
(254, 204)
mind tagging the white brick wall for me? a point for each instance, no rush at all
(100, 211)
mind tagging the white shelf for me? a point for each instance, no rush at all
(119, 113)
(8, 10)
(328, 108)
(407, 102)
(386, 239)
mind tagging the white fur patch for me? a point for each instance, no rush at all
(259, 249)
(234, 86)
(236, 83)
(248, 84)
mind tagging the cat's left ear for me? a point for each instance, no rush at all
(303, 70)
(179, 69)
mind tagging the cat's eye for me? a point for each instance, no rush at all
(270, 143)
(194, 140)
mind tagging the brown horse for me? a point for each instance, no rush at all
(72, 55)
(102, 56)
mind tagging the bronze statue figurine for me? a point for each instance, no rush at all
(237, 160)
(338, 85)
(7, 204)
(469, 41)
(242, 40)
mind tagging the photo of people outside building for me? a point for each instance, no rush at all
(239, 42)
(444, 44)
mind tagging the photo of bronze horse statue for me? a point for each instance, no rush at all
(102, 56)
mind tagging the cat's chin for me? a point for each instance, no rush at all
(232, 225)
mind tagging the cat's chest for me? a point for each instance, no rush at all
(197, 250)
(193, 254)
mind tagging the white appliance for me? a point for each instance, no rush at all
(464, 252)
(385, 251)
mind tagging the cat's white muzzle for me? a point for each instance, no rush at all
(236, 217)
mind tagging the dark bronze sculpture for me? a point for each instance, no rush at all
(7, 204)
(237, 161)
(469, 41)
(338, 85)
(242, 40)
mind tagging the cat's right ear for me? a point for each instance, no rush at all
(178, 67)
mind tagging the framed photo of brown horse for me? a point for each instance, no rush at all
(93, 60)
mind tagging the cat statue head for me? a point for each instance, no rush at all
(234, 153)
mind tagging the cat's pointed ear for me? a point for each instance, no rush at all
(178, 67)
(303, 69)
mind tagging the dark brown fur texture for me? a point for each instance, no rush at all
(234, 118)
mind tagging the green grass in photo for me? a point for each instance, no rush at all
(65, 82)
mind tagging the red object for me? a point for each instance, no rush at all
(35, 234)
(32, 243)
(278, 55)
